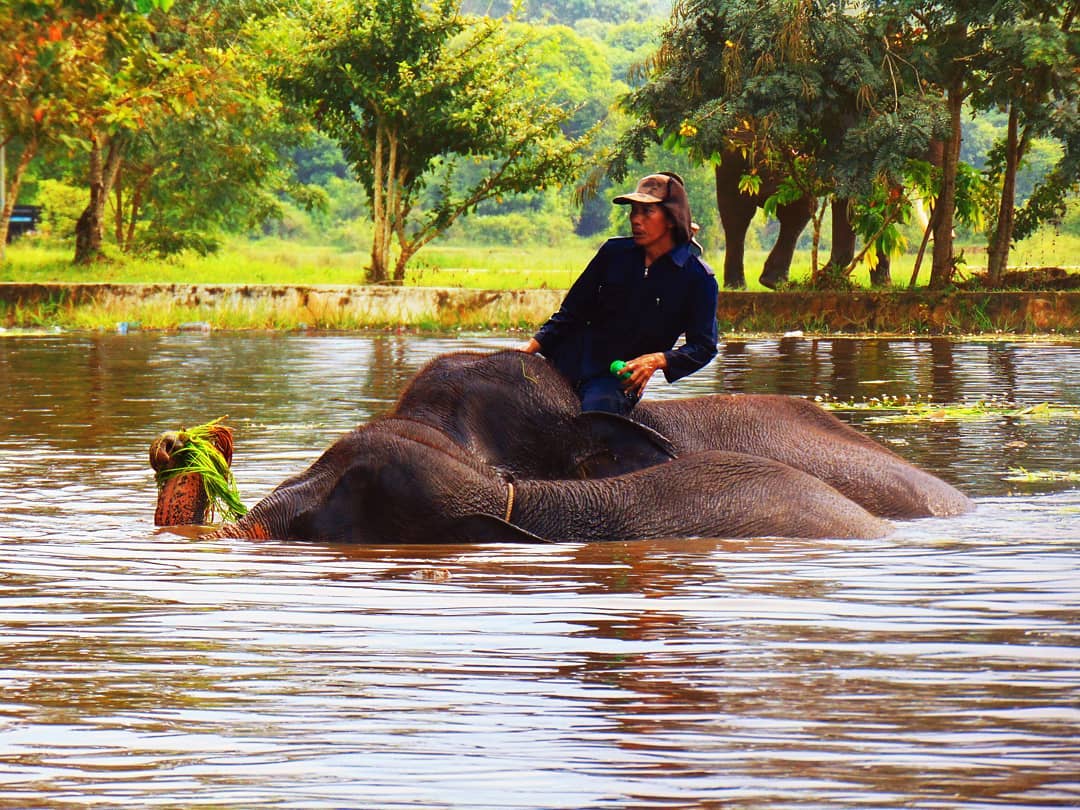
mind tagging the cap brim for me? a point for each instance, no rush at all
(636, 197)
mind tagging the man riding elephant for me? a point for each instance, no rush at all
(633, 301)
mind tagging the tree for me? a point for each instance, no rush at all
(796, 90)
(943, 45)
(43, 53)
(164, 106)
(217, 158)
(114, 80)
(412, 91)
(1032, 72)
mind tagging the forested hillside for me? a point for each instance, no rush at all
(153, 127)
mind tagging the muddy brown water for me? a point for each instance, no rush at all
(937, 668)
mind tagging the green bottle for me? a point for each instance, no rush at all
(618, 368)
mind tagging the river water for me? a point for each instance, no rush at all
(938, 668)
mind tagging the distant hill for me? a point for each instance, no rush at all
(569, 12)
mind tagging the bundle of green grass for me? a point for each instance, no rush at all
(198, 453)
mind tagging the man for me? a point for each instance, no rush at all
(633, 301)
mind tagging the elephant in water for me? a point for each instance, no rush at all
(519, 414)
(440, 465)
(402, 481)
(802, 435)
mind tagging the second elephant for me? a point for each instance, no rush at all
(799, 433)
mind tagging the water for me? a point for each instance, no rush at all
(937, 668)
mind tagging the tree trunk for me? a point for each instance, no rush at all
(998, 250)
(377, 271)
(736, 213)
(881, 272)
(136, 207)
(394, 214)
(922, 248)
(941, 271)
(843, 235)
(118, 214)
(817, 216)
(89, 228)
(386, 202)
(12, 192)
(399, 265)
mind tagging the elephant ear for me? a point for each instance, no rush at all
(480, 528)
(619, 445)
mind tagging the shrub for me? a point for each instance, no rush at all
(61, 207)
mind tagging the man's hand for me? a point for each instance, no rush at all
(641, 370)
(532, 347)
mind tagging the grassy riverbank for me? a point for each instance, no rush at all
(275, 261)
(271, 284)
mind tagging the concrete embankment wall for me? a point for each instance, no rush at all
(339, 307)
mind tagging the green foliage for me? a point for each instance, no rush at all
(879, 215)
(1015, 56)
(158, 103)
(513, 229)
(626, 45)
(802, 91)
(767, 77)
(183, 194)
(568, 11)
(574, 72)
(205, 149)
(61, 204)
(414, 91)
(1030, 476)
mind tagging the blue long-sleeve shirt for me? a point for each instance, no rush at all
(618, 310)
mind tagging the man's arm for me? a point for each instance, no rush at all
(700, 345)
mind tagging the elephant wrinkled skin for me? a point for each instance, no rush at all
(801, 434)
(517, 413)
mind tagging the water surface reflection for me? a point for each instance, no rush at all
(935, 668)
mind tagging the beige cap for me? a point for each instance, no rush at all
(651, 189)
(668, 190)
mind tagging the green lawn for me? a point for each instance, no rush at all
(274, 261)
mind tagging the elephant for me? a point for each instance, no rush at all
(802, 435)
(737, 210)
(510, 419)
(520, 415)
(400, 481)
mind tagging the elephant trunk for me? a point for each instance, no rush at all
(183, 498)
(181, 501)
(248, 528)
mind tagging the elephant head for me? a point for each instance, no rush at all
(391, 481)
(182, 498)
(519, 414)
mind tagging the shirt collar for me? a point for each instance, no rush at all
(680, 255)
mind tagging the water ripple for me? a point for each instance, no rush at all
(934, 668)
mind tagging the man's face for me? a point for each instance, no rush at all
(650, 226)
